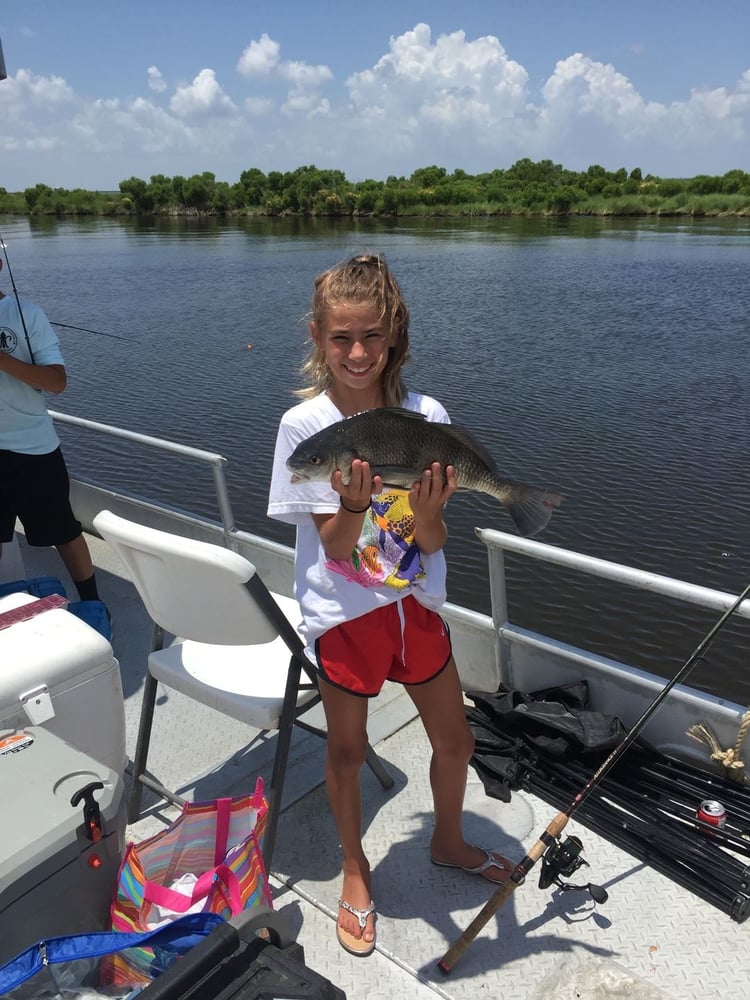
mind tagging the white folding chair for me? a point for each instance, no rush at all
(235, 648)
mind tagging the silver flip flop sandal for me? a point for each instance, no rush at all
(356, 945)
(502, 864)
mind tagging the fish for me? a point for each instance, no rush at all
(400, 444)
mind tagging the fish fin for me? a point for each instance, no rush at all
(466, 438)
(402, 412)
(531, 508)
(456, 431)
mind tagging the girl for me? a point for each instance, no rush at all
(370, 576)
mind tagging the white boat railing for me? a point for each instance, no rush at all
(530, 661)
(490, 650)
(214, 460)
(498, 542)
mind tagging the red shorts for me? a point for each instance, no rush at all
(402, 641)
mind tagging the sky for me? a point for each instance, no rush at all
(97, 92)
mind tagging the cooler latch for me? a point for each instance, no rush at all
(92, 819)
(37, 705)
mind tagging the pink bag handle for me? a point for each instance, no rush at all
(223, 816)
(178, 902)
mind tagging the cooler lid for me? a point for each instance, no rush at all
(54, 648)
(39, 774)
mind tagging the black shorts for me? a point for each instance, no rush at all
(36, 490)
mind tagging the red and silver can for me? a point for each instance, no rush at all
(712, 812)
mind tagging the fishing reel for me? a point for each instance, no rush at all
(563, 857)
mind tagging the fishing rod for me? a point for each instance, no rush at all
(644, 818)
(549, 841)
(65, 326)
(18, 301)
(664, 834)
(670, 847)
(84, 329)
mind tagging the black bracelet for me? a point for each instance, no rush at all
(354, 510)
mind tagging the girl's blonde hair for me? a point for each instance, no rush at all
(367, 279)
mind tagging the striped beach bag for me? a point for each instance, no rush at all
(209, 860)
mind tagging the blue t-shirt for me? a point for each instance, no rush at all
(25, 425)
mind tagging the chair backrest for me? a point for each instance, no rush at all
(193, 589)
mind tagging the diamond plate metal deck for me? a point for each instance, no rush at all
(652, 939)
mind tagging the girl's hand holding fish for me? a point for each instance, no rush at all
(427, 497)
(431, 492)
(339, 532)
(356, 493)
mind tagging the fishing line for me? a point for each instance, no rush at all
(84, 329)
(550, 836)
(18, 301)
(65, 326)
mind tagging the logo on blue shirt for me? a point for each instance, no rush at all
(8, 340)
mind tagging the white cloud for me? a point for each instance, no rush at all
(42, 90)
(443, 98)
(108, 125)
(260, 57)
(449, 100)
(446, 95)
(35, 144)
(421, 73)
(203, 96)
(30, 112)
(589, 107)
(156, 81)
(258, 105)
(304, 75)
(581, 86)
(298, 102)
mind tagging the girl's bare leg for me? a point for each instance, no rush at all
(346, 718)
(441, 708)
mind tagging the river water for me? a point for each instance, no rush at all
(607, 359)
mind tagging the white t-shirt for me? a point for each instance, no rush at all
(25, 425)
(385, 566)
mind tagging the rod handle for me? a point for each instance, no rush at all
(503, 893)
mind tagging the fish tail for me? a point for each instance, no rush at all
(531, 508)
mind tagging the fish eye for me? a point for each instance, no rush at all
(315, 460)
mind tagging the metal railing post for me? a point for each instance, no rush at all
(499, 606)
(216, 461)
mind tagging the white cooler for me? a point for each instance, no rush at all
(63, 817)
(58, 672)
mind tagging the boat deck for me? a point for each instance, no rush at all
(651, 939)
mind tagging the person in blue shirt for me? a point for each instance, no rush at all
(34, 483)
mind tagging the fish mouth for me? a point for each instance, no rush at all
(298, 477)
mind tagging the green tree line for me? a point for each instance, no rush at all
(526, 188)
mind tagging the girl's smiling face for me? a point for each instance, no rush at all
(355, 342)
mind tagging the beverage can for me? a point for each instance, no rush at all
(712, 812)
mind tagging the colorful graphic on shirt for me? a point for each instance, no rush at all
(386, 553)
